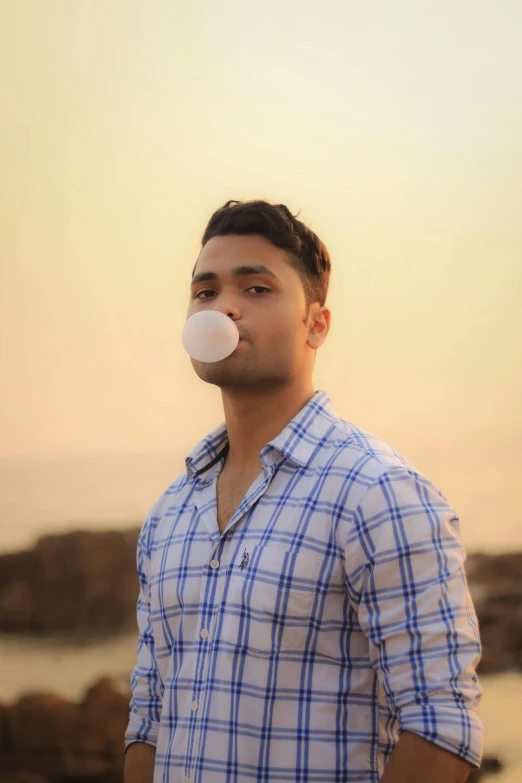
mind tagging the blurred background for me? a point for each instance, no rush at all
(395, 130)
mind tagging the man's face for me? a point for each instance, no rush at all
(268, 310)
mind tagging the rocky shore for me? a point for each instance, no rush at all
(495, 583)
(47, 739)
(82, 581)
(85, 582)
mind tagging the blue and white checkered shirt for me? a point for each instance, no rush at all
(331, 614)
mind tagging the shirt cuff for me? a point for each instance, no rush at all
(457, 729)
(141, 730)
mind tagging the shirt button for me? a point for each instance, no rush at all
(214, 563)
(204, 633)
(195, 705)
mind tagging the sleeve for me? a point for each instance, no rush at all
(146, 683)
(406, 581)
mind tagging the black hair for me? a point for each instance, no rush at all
(306, 253)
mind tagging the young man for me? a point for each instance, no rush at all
(303, 611)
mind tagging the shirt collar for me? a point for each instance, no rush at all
(297, 442)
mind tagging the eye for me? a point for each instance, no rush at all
(208, 290)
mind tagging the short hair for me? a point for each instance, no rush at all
(306, 253)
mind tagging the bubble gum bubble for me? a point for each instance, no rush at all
(210, 336)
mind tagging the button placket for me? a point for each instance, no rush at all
(204, 633)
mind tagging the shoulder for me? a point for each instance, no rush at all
(364, 459)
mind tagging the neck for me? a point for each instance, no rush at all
(253, 418)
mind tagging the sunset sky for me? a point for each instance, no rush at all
(394, 127)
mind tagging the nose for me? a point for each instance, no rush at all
(231, 312)
(229, 309)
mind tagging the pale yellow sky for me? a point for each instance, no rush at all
(396, 129)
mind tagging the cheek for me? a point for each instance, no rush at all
(283, 345)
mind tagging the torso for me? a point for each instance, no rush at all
(230, 491)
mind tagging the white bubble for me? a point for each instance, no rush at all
(210, 336)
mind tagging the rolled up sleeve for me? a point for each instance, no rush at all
(146, 683)
(406, 581)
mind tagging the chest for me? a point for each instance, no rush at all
(230, 491)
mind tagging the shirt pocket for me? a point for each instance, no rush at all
(268, 605)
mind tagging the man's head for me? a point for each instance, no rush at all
(284, 324)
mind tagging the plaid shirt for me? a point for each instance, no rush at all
(331, 614)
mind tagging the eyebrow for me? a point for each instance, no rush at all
(238, 271)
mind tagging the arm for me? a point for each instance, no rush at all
(139, 763)
(406, 581)
(414, 758)
(146, 683)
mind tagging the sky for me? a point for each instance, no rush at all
(394, 129)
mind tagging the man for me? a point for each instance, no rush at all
(303, 610)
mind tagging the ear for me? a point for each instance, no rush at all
(320, 326)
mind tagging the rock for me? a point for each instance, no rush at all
(495, 583)
(50, 738)
(22, 777)
(82, 581)
(490, 765)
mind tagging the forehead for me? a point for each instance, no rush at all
(222, 254)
